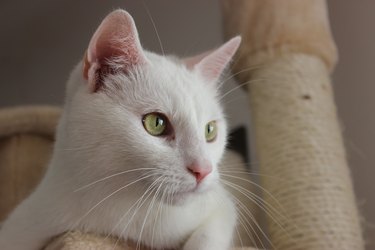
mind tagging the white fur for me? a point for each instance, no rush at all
(101, 134)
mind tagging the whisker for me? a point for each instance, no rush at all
(251, 216)
(221, 83)
(262, 204)
(249, 163)
(252, 173)
(239, 86)
(243, 166)
(151, 205)
(226, 103)
(110, 195)
(169, 203)
(258, 186)
(154, 26)
(249, 234)
(239, 237)
(140, 202)
(248, 213)
(137, 203)
(110, 176)
(159, 211)
(244, 222)
(268, 208)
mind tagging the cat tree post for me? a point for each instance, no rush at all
(288, 49)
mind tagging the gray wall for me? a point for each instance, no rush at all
(42, 40)
(354, 82)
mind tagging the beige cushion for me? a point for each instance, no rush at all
(26, 140)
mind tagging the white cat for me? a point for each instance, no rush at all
(137, 150)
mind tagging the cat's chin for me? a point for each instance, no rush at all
(180, 198)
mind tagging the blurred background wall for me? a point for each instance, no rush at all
(41, 41)
(354, 83)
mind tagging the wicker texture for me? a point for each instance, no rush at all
(289, 48)
(26, 139)
(299, 142)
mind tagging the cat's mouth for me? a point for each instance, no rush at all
(179, 197)
(185, 192)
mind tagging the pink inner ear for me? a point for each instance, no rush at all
(190, 62)
(212, 63)
(115, 40)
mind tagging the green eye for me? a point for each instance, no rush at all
(155, 124)
(211, 131)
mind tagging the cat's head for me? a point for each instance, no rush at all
(157, 119)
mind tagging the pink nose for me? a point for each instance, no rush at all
(200, 171)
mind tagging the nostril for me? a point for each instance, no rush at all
(196, 174)
(199, 172)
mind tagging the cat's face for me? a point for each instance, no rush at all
(157, 119)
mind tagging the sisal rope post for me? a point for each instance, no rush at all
(289, 51)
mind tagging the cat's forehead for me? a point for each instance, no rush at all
(171, 74)
(166, 85)
(183, 86)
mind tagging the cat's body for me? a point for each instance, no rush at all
(108, 175)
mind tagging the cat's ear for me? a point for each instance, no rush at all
(212, 63)
(114, 47)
